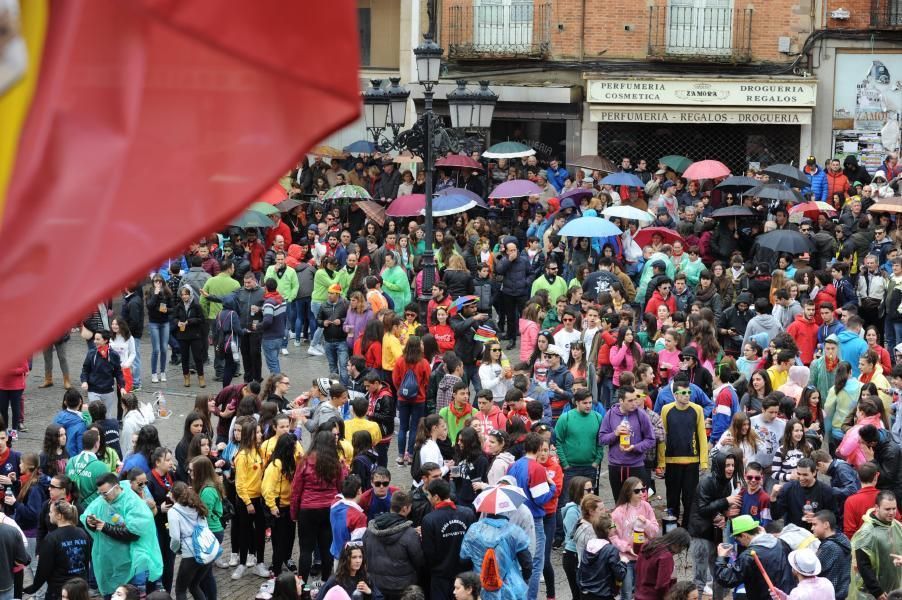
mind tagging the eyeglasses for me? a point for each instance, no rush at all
(107, 493)
(753, 477)
(638, 490)
(380, 483)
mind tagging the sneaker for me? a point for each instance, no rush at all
(261, 570)
(233, 560)
(708, 591)
(136, 389)
(163, 377)
(297, 343)
(284, 351)
(268, 586)
(238, 573)
(291, 566)
(22, 428)
(251, 561)
(154, 378)
(316, 569)
(222, 563)
(315, 351)
(13, 435)
(400, 460)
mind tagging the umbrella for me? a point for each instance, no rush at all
(327, 152)
(643, 236)
(273, 195)
(593, 162)
(347, 192)
(499, 500)
(515, 188)
(360, 147)
(509, 150)
(589, 227)
(737, 184)
(627, 212)
(706, 169)
(287, 205)
(578, 193)
(732, 212)
(373, 210)
(811, 208)
(888, 205)
(409, 205)
(785, 240)
(443, 206)
(456, 191)
(787, 174)
(627, 179)
(251, 218)
(676, 162)
(458, 304)
(264, 208)
(776, 191)
(456, 161)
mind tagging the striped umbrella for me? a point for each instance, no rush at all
(509, 150)
(347, 192)
(499, 500)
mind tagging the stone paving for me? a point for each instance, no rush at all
(42, 404)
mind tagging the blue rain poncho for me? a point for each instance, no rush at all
(507, 539)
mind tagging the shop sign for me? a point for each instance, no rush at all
(711, 92)
(677, 115)
(868, 88)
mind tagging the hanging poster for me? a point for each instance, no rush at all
(868, 88)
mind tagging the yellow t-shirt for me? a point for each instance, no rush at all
(777, 377)
(391, 351)
(356, 424)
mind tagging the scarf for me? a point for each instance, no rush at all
(275, 296)
(165, 480)
(445, 503)
(830, 364)
(737, 273)
(866, 377)
(705, 295)
(465, 411)
(104, 351)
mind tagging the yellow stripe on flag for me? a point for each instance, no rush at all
(14, 104)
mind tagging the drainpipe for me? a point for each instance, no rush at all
(582, 32)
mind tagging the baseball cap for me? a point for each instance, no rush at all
(335, 288)
(743, 524)
(554, 349)
(667, 184)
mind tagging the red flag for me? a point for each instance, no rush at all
(154, 122)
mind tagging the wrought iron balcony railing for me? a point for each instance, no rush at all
(693, 33)
(492, 29)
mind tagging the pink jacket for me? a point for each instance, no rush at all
(849, 448)
(622, 360)
(624, 516)
(529, 333)
(14, 379)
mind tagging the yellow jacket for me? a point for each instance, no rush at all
(276, 487)
(356, 424)
(248, 475)
(391, 351)
(268, 446)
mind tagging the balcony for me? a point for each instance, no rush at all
(498, 29)
(886, 14)
(691, 33)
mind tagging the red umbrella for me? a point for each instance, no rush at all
(273, 195)
(457, 161)
(706, 169)
(643, 236)
(410, 205)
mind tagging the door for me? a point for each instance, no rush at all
(700, 27)
(502, 25)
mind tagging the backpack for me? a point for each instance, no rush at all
(409, 388)
(204, 544)
(226, 341)
(490, 574)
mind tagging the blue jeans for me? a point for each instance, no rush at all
(537, 560)
(629, 581)
(409, 414)
(472, 373)
(271, 349)
(136, 365)
(337, 355)
(304, 323)
(317, 339)
(159, 339)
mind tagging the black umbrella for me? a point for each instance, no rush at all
(785, 240)
(737, 184)
(732, 212)
(288, 204)
(776, 191)
(787, 174)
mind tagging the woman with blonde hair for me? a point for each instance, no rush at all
(740, 435)
(457, 277)
(777, 282)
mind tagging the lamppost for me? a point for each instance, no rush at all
(387, 109)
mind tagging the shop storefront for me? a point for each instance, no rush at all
(741, 122)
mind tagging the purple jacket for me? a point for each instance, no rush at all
(642, 437)
(357, 322)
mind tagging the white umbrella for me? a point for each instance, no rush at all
(628, 212)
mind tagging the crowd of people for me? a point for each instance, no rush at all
(758, 392)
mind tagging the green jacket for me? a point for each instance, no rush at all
(576, 436)
(555, 290)
(84, 469)
(693, 271)
(397, 286)
(220, 285)
(287, 284)
(343, 278)
(455, 425)
(321, 282)
(821, 378)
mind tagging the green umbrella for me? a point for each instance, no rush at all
(676, 162)
(347, 192)
(264, 208)
(251, 218)
(509, 150)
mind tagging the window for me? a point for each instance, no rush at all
(502, 24)
(363, 28)
(700, 27)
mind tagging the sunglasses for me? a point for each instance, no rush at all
(568, 319)
(57, 487)
(638, 490)
(753, 477)
(496, 349)
(682, 392)
(380, 484)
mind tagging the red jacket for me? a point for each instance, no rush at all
(604, 350)
(657, 300)
(256, 253)
(280, 229)
(444, 335)
(654, 575)
(432, 305)
(14, 379)
(804, 332)
(836, 182)
(855, 508)
(422, 372)
(826, 294)
(308, 490)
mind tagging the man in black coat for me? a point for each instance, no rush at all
(133, 315)
(387, 187)
(515, 269)
(771, 551)
(880, 449)
(443, 532)
(733, 322)
(464, 324)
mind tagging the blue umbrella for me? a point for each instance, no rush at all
(464, 193)
(453, 204)
(627, 179)
(360, 147)
(590, 227)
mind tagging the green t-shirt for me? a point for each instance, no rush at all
(211, 499)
